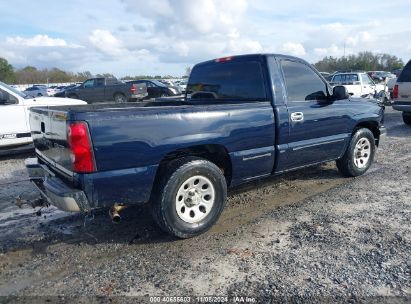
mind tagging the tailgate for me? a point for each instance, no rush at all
(404, 91)
(49, 132)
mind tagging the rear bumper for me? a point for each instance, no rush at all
(402, 106)
(138, 96)
(54, 190)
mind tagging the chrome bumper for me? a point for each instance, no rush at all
(54, 190)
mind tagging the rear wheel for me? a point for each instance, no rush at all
(189, 197)
(120, 98)
(359, 155)
(406, 117)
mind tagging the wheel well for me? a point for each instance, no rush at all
(216, 154)
(119, 93)
(372, 126)
(72, 95)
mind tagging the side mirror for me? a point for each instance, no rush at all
(340, 92)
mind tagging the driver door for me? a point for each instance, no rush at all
(14, 129)
(318, 126)
(87, 91)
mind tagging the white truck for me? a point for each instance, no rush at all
(358, 84)
(14, 116)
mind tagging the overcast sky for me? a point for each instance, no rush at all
(131, 37)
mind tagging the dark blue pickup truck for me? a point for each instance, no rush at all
(243, 118)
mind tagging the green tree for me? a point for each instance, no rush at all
(363, 61)
(6, 72)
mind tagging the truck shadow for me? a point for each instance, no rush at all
(137, 226)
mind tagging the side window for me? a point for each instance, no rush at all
(351, 78)
(365, 79)
(100, 82)
(89, 83)
(337, 78)
(149, 84)
(6, 98)
(302, 83)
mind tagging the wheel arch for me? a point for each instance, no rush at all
(217, 154)
(372, 126)
(119, 93)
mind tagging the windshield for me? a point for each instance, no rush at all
(15, 91)
(158, 83)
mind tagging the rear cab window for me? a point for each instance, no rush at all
(227, 80)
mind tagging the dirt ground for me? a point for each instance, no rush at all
(310, 235)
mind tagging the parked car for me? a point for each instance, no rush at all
(402, 94)
(183, 85)
(358, 84)
(232, 128)
(397, 72)
(62, 90)
(36, 91)
(107, 89)
(380, 76)
(14, 115)
(327, 76)
(156, 89)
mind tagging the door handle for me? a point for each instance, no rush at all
(297, 116)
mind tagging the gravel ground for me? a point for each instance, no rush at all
(307, 236)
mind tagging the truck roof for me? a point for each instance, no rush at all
(249, 57)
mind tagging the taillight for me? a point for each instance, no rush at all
(81, 150)
(133, 88)
(395, 91)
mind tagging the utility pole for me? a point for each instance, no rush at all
(344, 48)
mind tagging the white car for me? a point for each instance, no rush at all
(14, 114)
(358, 84)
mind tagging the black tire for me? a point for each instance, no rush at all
(164, 198)
(406, 117)
(39, 94)
(119, 97)
(347, 164)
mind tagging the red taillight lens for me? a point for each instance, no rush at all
(82, 156)
(395, 91)
(133, 88)
(224, 59)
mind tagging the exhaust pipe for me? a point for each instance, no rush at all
(114, 213)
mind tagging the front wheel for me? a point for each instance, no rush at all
(406, 117)
(189, 197)
(359, 155)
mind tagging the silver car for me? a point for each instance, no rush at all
(36, 91)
